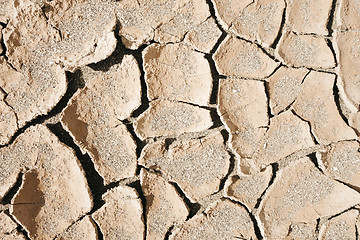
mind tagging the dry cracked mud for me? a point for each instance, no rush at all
(179, 119)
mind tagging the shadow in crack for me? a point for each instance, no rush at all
(275, 169)
(215, 119)
(231, 169)
(74, 82)
(11, 193)
(252, 217)
(193, 207)
(116, 58)
(214, 72)
(94, 179)
(139, 144)
(137, 186)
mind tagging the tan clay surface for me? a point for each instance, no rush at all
(179, 119)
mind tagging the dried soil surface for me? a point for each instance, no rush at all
(179, 119)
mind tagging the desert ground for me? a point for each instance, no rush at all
(179, 119)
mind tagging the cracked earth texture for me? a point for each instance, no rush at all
(179, 119)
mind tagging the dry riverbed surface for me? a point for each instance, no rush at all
(179, 119)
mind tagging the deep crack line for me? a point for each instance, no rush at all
(355, 188)
(280, 33)
(315, 161)
(275, 171)
(74, 82)
(99, 233)
(193, 207)
(138, 188)
(308, 122)
(169, 232)
(330, 22)
(252, 217)
(215, 78)
(337, 100)
(139, 143)
(13, 190)
(230, 171)
(267, 93)
(19, 228)
(331, 46)
(213, 14)
(94, 179)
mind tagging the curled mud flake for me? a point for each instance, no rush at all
(162, 21)
(306, 51)
(97, 130)
(204, 36)
(164, 206)
(86, 29)
(225, 220)
(247, 189)
(342, 162)
(305, 16)
(340, 227)
(119, 86)
(121, 215)
(30, 193)
(83, 229)
(316, 104)
(243, 108)
(302, 194)
(349, 61)
(228, 10)
(176, 72)
(258, 20)
(187, 17)
(96, 127)
(285, 87)
(165, 118)
(239, 58)
(48, 200)
(287, 134)
(39, 48)
(196, 165)
(25, 84)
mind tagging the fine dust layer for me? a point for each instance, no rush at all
(179, 119)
